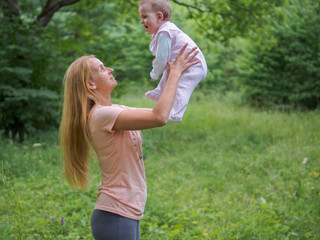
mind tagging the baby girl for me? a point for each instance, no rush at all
(167, 40)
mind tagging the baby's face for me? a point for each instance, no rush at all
(150, 20)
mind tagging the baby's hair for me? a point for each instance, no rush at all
(163, 6)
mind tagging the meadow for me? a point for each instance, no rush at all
(227, 171)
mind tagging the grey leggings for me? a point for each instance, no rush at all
(109, 226)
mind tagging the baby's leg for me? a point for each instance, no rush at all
(156, 93)
(180, 104)
(188, 82)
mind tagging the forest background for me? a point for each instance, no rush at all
(268, 51)
(263, 55)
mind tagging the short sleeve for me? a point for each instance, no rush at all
(104, 118)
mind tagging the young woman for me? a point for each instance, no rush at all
(90, 119)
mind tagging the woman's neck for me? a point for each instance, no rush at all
(105, 99)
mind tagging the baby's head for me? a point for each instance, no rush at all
(163, 6)
(153, 13)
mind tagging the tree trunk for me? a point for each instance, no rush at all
(50, 8)
(10, 8)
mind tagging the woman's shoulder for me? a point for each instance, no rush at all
(109, 107)
(103, 111)
(103, 115)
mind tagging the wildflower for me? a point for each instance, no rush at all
(249, 202)
(52, 219)
(45, 216)
(205, 233)
(10, 134)
(62, 220)
(227, 223)
(304, 161)
(25, 136)
(17, 135)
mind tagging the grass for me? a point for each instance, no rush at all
(225, 172)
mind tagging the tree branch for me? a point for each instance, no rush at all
(251, 13)
(10, 8)
(200, 9)
(51, 7)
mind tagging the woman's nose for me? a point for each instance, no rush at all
(110, 70)
(141, 21)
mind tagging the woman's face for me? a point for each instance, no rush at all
(150, 20)
(102, 78)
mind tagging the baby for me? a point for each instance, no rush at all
(167, 40)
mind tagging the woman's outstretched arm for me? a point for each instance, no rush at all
(141, 118)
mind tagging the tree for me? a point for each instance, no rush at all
(35, 54)
(12, 9)
(41, 38)
(225, 19)
(27, 99)
(284, 69)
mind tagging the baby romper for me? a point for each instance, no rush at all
(190, 77)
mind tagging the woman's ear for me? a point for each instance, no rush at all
(160, 16)
(91, 85)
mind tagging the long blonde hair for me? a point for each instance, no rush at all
(78, 101)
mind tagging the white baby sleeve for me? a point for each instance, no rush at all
(162, 55)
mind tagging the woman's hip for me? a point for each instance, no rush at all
(109, 226)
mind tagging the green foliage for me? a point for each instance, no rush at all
(221, 20)
(284, 69)
(224, 172)
(225, 63)
(26, 100)
(33, 60)
(110, 31)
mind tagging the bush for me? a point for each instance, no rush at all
(285, 68)
(33, 60)
(26, 103)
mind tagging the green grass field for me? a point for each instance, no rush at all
(225, 172)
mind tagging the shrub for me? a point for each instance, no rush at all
(285, 67)
(26, 103)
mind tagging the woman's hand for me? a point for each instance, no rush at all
(183, 62)
(149, 118)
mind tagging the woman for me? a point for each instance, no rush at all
(90, 119)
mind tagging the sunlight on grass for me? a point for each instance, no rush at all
(225, 172)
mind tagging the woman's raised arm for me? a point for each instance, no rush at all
(141, 118)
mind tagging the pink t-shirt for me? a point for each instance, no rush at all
(123, 188)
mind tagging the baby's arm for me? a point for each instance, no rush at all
(162, 55)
